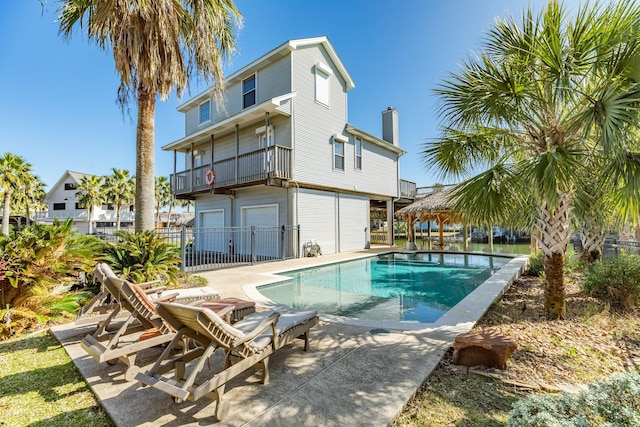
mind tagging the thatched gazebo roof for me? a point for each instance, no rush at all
(434, 206)
(186, 219)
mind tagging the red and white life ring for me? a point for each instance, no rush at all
(210, 176)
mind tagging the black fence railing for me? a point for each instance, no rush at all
(206, 249)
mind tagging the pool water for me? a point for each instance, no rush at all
(416, 287)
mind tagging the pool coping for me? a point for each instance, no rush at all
(463, 315)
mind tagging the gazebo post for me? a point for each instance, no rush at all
(440, 232)
(429, 234)
(465, 243)
(490, 238)
(411, 245)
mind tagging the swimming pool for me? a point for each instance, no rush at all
(406, 287)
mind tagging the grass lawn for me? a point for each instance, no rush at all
(40, 386)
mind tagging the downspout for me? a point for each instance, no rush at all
(237, 152)
(211, 163)
(191, 181)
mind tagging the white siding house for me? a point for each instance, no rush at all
(62, 203)
(279, 151)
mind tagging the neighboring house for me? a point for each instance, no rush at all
(278, 150)
(62, 203)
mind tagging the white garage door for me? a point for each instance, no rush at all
(265, 242)
(209, 236)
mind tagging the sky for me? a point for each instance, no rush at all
(59, 110)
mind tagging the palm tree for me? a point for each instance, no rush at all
(90, 194)
(34, 194)
(157, 45)
(163, 195)
(119, 189)
(530, 109)
(14, 174)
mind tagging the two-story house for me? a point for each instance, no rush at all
(278, 150)
(62, 203)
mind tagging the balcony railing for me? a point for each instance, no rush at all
(247, 168)
(407, 189)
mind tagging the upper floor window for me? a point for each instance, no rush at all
(70, 186)
(338, 155)
(205, 111)
(358, 154)
(59, 206)
(322, 83)
(249, 91)
(80, 206)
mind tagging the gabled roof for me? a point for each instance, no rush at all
(279, 52)
(374, 139)
(77, 177)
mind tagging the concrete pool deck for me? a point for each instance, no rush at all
(352, 375)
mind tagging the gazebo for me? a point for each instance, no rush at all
(435, 206)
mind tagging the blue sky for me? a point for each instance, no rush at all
(59, 108)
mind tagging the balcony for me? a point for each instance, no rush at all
(255, 167)
(407, 189)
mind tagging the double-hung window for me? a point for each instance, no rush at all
(249, 91)
(358, 154)
(205, 111)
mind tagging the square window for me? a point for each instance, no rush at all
(338, 155)
(249, 91)
(59, 206)
(205, 111)
(70, 186)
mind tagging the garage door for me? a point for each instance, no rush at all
(210, 236)
(266, 241)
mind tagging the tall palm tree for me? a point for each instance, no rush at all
(34, 194)
(119, 189)
(157, 45)
(15, 172)
(541, 96)
(163, 195)
(90, 193)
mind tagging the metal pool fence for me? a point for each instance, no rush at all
(206, 249)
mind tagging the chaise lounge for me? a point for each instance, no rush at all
(107, 300)
(247, 343)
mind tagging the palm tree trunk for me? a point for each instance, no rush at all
(592, 242)
(5, 212)
(90, 220)
(555, 232)
(145, 178)
(118, 217)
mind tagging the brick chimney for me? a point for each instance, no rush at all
(390, 126)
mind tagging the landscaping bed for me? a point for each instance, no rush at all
(591, 344)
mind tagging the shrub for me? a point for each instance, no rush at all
(536, 264)
(616, 280)
(142, 257)
(35, 264)
(612, 402)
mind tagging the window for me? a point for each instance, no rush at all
(59, 206)
(205, 111)
(249, 91)
(322, 84)
(338, 155)
(80, 206)
(263, 144)
(358, 157)
(70, 186)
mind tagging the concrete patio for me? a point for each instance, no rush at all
(355, 374)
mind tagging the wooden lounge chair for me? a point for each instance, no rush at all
(247, 343)
(107, 300)
(126, 341)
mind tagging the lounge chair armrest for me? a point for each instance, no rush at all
(167, 297)
(263, 326)
(145, 285)
(158, 290)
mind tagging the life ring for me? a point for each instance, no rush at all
(210, 177)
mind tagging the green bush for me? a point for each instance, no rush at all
(615, 280)
(38, 264)
(612, 402)
(142, 257)
(536, 264)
